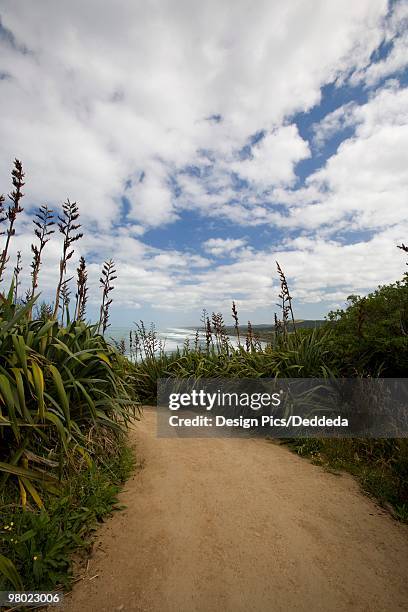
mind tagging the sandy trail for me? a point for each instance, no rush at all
(241, 525)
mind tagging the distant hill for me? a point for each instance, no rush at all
(267, 327)
(265, 330)
(306, 323)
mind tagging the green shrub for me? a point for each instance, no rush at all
(39, 542)
(371, 335)
(61, 385)
(302, 356)
(55, 383)
(381, 466)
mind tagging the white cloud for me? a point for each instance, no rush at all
(273, 158)
(395, 62)
(104, 93)
(395, 33)
(223, 246)
(151, 199)
(340, 119)
(364, 184)
(319, 271)
(103, 97)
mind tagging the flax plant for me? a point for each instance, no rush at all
(13, 210)
(61, 383)
(3, 215)
(43, 231)
(65, 300)
(16, 275)
(249, 341)
(208, 335)
(68, 228)
(236, 322)
(106, 279)
(286, 303)
(220, 334)
(82, 291)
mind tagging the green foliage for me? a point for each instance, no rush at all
(367, 338)
(381, 466)
(66, 396)
(371, 335)
(9, 573)
(60, 387)
(55, 383)
(304, 355)
(38, 543)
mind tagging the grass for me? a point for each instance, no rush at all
(380, 466)
(302, 356)
(40, 543)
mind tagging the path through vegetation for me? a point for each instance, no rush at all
(215, 525)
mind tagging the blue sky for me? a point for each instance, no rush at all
(204, 142)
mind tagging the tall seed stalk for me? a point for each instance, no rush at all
(82, 291)
(17, 269)
(67, 227)
(65, 299)
(146, 342)
(249, 341)
(404, 248)
(278, 328)
(3, 214)
(208, 335)
(43, 223)
(286, 302)
(219, 332)
(197, 341)
(236, 322)
(207, 329)
(131, 349)
(13, 210)
(107, 277)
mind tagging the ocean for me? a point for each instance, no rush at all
(171, 337)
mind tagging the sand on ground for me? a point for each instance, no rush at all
(234, 524)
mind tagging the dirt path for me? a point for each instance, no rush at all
(215, 525)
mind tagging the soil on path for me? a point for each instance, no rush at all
(220, 525)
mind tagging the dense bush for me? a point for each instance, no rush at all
(381, 466)
(55, 383)
(36, 546)
(371, 335)
(304, 355)
(59, 388)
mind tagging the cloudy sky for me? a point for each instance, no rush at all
(204, 140)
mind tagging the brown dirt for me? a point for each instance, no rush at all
(241, 525)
